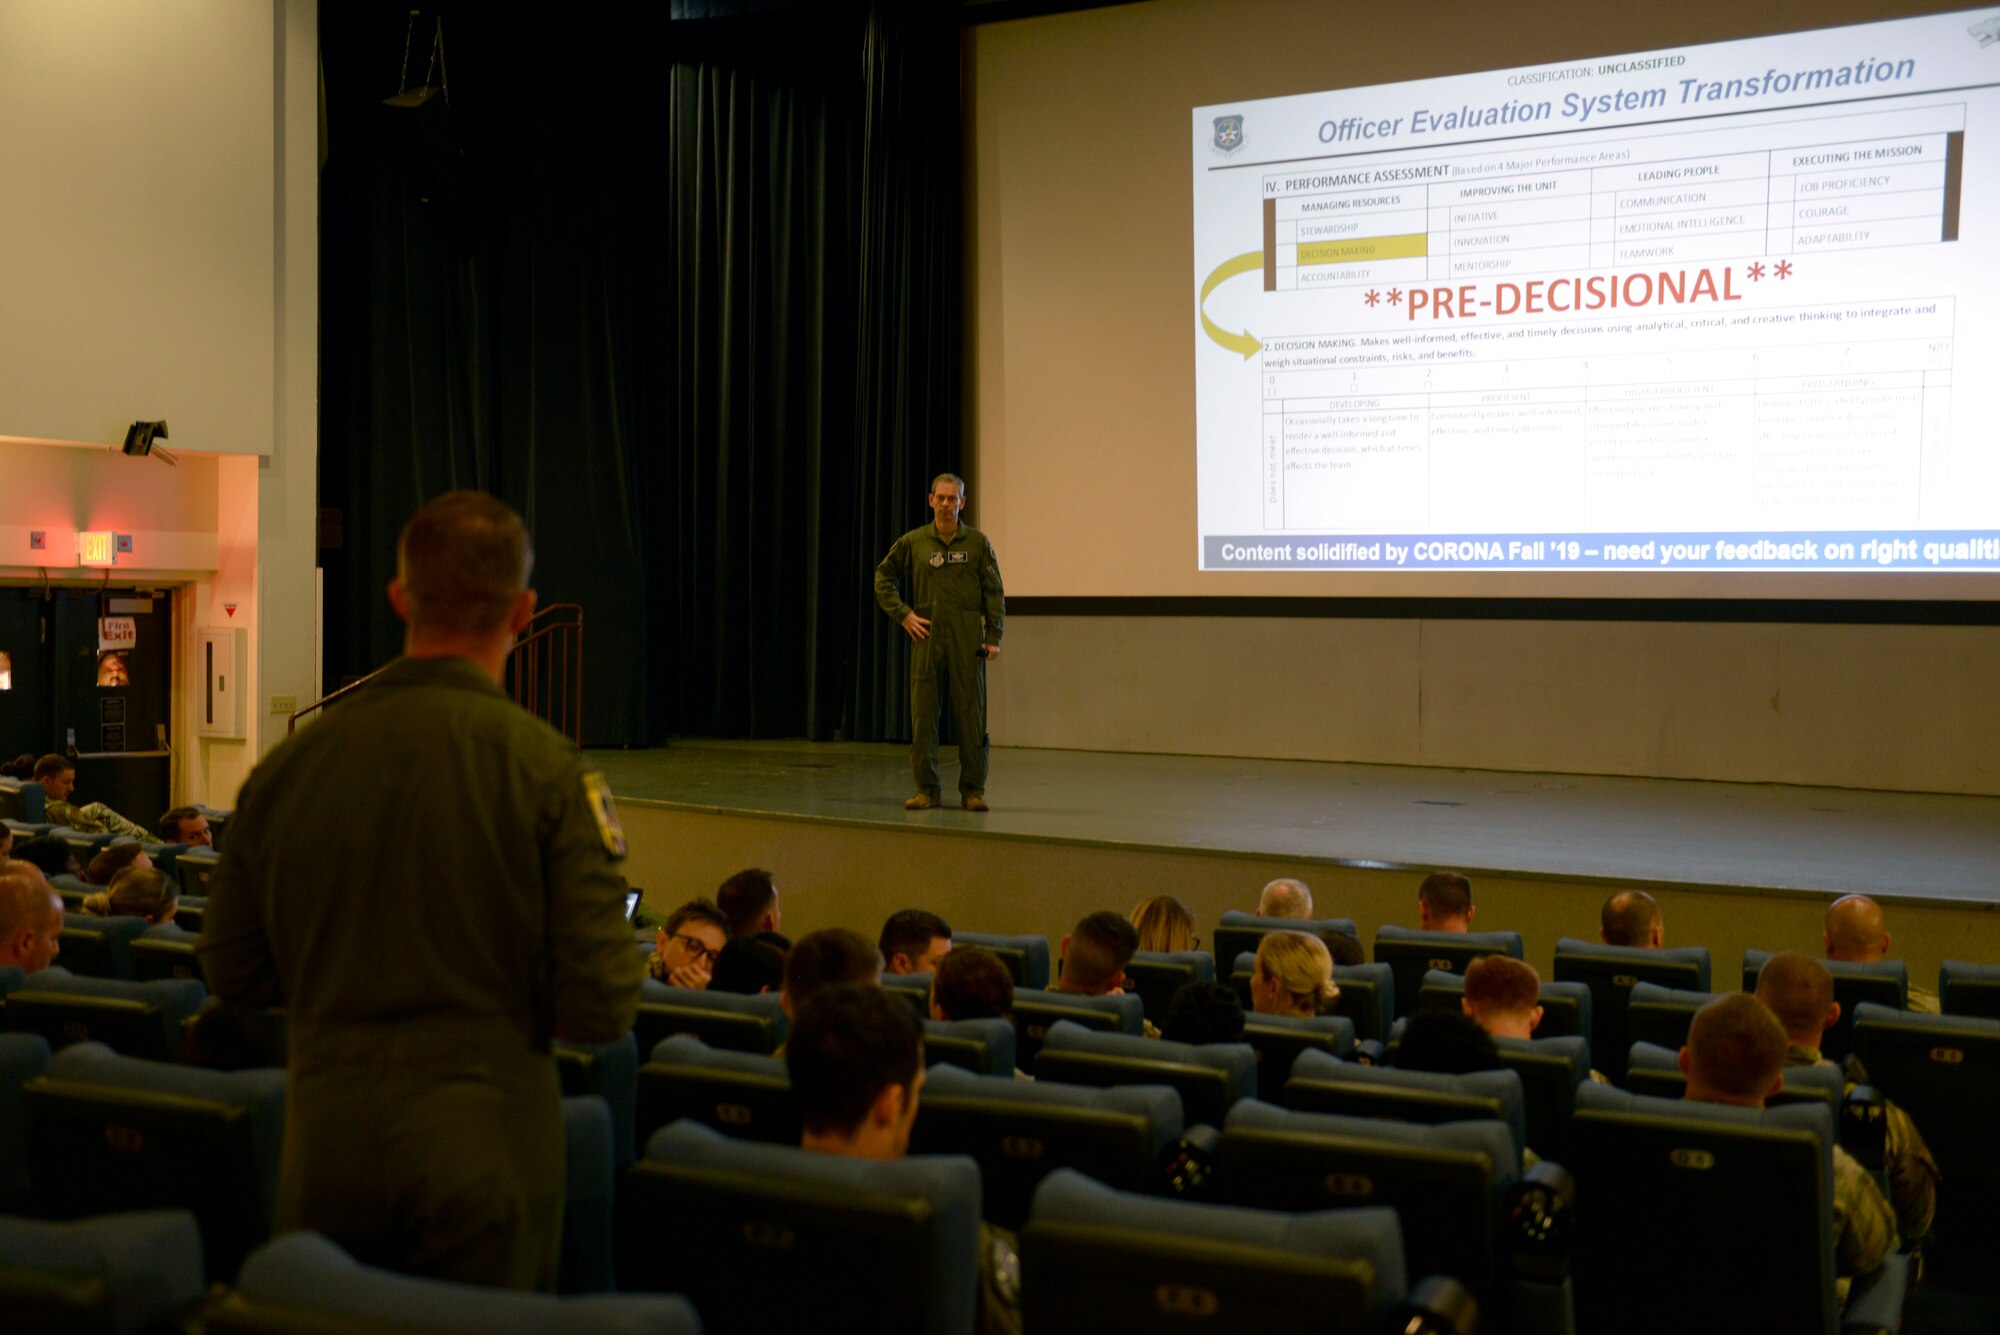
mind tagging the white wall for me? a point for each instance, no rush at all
(159, 258)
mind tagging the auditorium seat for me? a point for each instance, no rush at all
(769, 1237)
(1209, 1077)
(1885, 982)
(1096, 1259)
(914, 988)
(1021, 1130)
(1411, 952)
(1611, 972)
(741, 1094)
(1238, 933)
(1551, 1071)
(984, 1047)
(190, 914)
(100, 947)
(1750, 1187)
(1661, 1015)
(22, 1058)
(590, 1176)
(1156, 975)
(85, 846)
(119, 1273)
(1367, 995)
(719, 1019)
(194, 870)
(1944, 1071)
(111, 1133)
(1026, 957)
(137, 1019)
(1566, 1007)
(165, 951)
(1321, 1083)
(1656, 1071)
(610, 1071)
(1448, 1183)
(25, 801)
(1035, 1011)
(1279, 1039)
(1969, 989)
(303, 1284)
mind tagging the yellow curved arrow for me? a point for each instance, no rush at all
(1245, 342)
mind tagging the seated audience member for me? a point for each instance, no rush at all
(1094, 956)
(230, 1036)
(1735, 1054)
(57, 775)
(913, 941)
(1503, 996)
(1165, 925)
(830, 957)
(113, 859)
(856, 1061)
(1446, 1043)
(685, 950)
(21, 767)
(1293, 975)
(6, 843)
(1857, 933)
(186, 826)
(1344, 949)
(1444, 903)
(49, 854)
(1203, 1013)
(749, 899)
(1285, 898)
(1799, 991)
(749, 965)
(31, 919)
(972, 984)
(136, 892)
(1632, 918)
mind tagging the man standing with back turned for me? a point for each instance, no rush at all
(423, 1125)
(954, 619)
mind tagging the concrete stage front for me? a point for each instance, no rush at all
(1734, 865)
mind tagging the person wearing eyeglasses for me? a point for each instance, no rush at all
(685, 950)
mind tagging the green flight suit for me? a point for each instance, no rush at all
(954, 583)
(427, 880)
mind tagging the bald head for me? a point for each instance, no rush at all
(1799, 991)
(1855, 931)
(1632, 918)
(1735, 1052)
(31, 918)
(1285, 898)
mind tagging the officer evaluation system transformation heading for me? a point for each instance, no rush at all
(1581, 107)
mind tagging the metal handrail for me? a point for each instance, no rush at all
(561, 627)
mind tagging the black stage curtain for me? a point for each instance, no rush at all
(685, 293)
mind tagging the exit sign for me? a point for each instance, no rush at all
(96, 549)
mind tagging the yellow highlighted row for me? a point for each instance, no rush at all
(1356, 249)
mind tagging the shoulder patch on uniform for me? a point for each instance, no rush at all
(604, 811)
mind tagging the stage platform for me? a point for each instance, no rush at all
(1751, 860)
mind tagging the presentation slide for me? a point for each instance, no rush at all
(1732, 307)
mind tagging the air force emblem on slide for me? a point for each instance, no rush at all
(937, 560)
(1228, 133)
(604, 811)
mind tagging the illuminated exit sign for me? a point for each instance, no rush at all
(96, 549)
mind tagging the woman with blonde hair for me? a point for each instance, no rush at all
(1293, 976)
(1164, 924)
(139, 892)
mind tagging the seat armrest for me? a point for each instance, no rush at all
(1437, 1305)
(1187, 1163)
(1875, 1300)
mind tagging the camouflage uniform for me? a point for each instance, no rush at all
(1912, 1172)
(1922, 1000)
(1864, 1227)
(94, 818)
(427, 879)
(953, 582)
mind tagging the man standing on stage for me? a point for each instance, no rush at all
(954, 619)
